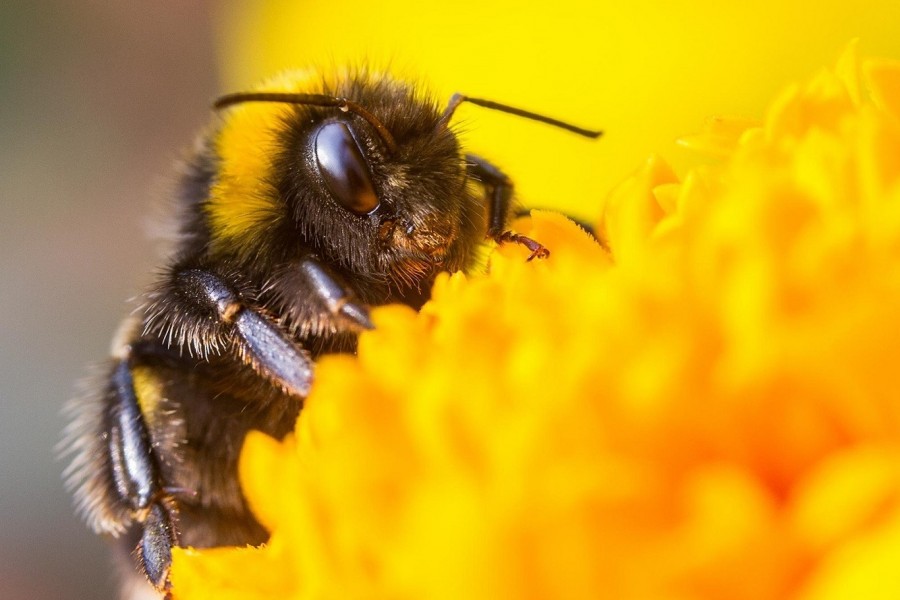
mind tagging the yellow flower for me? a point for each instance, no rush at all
(708, 410)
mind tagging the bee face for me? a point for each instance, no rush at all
(397, 213)
(299, 209)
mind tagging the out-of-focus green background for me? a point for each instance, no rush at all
(98, 99)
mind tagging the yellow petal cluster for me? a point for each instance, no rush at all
(707, 408)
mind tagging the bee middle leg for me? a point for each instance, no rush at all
(259, 341)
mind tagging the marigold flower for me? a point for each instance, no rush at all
(706, 410)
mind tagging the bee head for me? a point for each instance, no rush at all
(365, 174)
(364, 171)
(403, 197)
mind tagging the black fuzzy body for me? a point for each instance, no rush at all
(204, 392)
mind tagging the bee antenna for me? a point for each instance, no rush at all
(311, 100)
(458, 99)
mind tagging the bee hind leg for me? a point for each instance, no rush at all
(137, 479)
(260, 341)
(156, 544)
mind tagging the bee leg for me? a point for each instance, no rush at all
(137, 478)
(498, 190)
(261, 343)
(156, 545)
(339, 298)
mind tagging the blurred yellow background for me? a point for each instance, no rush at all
(645, 71)
(100, 99)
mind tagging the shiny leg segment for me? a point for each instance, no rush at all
(136, 474)
(498, 190)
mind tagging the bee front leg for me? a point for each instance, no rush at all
(339, 298)
(316, 300)
(498, 190)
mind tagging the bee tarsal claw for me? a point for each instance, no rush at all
(538, 250)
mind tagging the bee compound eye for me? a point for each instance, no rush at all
(344, 168)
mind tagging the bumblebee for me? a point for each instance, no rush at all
(307, 202)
